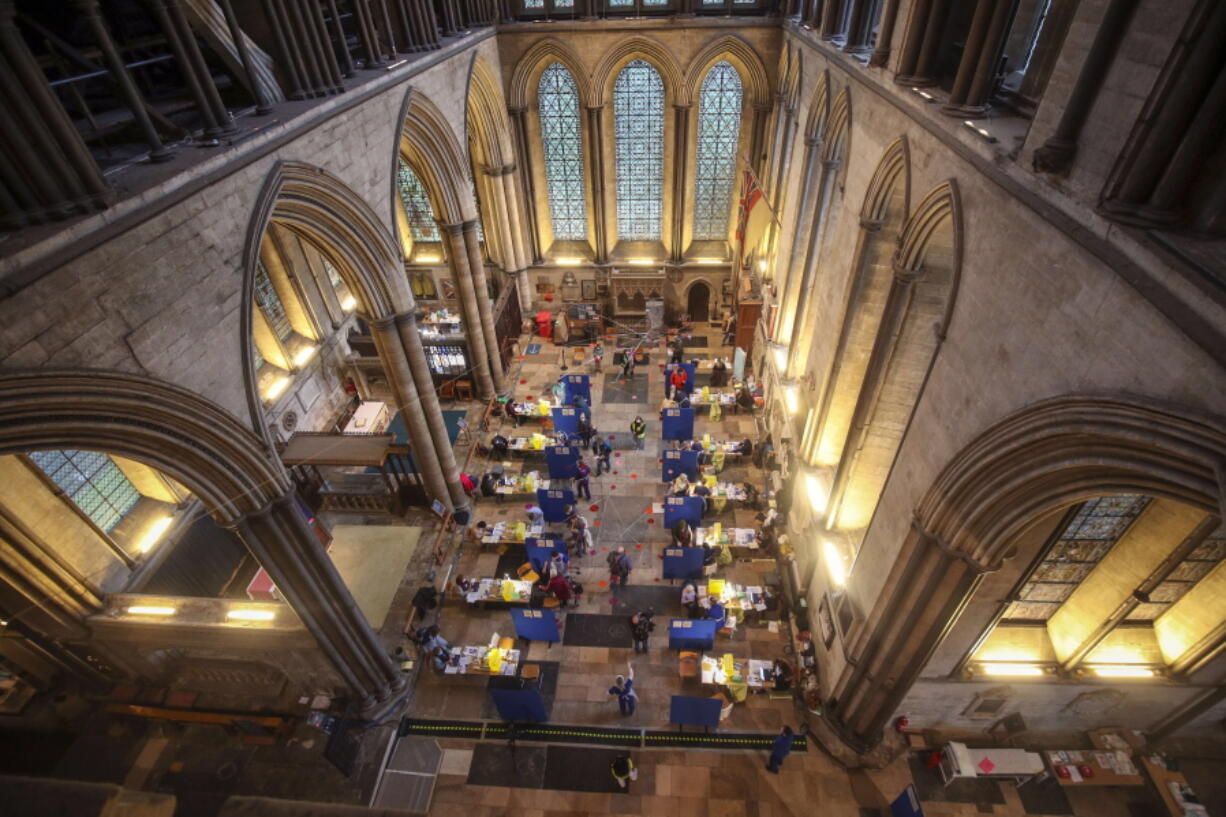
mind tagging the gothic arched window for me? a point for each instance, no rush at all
(638, 115)
(562, 142)
(92, 481)
(417, 207)
(719, 131)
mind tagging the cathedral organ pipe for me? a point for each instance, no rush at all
(90, 10)
(262, 105)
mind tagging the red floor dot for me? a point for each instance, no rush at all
(656, 579)
(647, 509)
(638, 547)
(529, 398)
(603, 583)
(613, 487)
(612, 600)
(522, 382)
(593, 507)
(596, 525)
(651, 521)
(634, 476)
(614, 473)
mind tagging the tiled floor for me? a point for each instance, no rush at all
(671, 783)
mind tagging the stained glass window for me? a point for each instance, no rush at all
(416, 205)
(719, 131)
(92, 481)
(638, 115)
(562, 142)
(1086, 539)
(269, 301)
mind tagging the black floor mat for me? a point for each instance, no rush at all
(547, 683)
(571, 769)
(713, 740)
(1045, 797)
(442, 729)
(930, 788)
(665, 600)
(495, 764)
(694, 342)
(623, 392)
(587, 630)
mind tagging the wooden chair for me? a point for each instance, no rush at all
(526, 573)
(446, 391)
(530, 672)
(506, 643)
(464, 390)
(551, 603)
(688, 665)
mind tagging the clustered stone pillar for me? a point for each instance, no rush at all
(596, 163)
(46, 170)
(860, 26)
(798, 353)
(509, 213)
(917, 63)
(928, 585)
(778, 182)
(977, 69)
(885, 35)
(305, 54)
(798, 259)
(527, 187)
(468, 271)
(681, 142)
(304, 574)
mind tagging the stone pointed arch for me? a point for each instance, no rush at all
(527, 73)
(489, 130)
(819, 108)
(179, 432)
(935, 225)
(895, 165)
(326, 212)
(1061, 451)
(428, 143)
(639, 47)
(837, 131)
(743, 58)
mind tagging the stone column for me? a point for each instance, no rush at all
(1056, 154)
(798, 259)
(918, 60)
(396, 363)
(511, 189)
(532, 251)
(928, 585)
(798, 353)
(295, 559)
(885, 35)
(977, 69)
(779, 185)
(897, 305)
(427, 402)
(163, 10)
(681, 142)
(90, 10)
(457, 255)
(757, 135)
(262, 105)
(596, 166)
(485, 310)
(860, 26)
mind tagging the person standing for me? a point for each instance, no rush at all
(641, 625)
(689, 600)
(560, 588)
(678, 350)
(638, 429)
(619, 568)
(677, 380)
(628, 365)
(623, 688)
(603, 452)
(780, 749)
(597, 356)
(583, 485)
(730, 331)
(623, 771)
(559, 392)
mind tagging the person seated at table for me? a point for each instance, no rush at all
(683, 400)
(782, 671)
(489, 484)
(689, 600)
(680, 485)
(715, 610)
(744, 447)
(476, 533)
(682, 535)
(702, 491)
(558, 565)
(751, 495)
(719, 374)
(710, 554)
(512, 413)
(744, 400)
(439, 656)
(559, 587)
(499, 446)
(535, 515)
(466, 585)
(468, 483)
(581, 406)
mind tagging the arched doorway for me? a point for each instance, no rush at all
(698, 302)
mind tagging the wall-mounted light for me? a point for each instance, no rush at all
(1122, 671)
(304, 355)
(348, 303)
(427, 258)
(791, 398)
(248, 614)
(150, 610)
(272, 381)
(835, 565)
(709, 261)
(1018, 670)
(779, 353)
(641, 262)
(153, 534)
(818, 497)
(924, 95)
(762, 265)
(276, 388)
(987, 137)
(568, 261)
